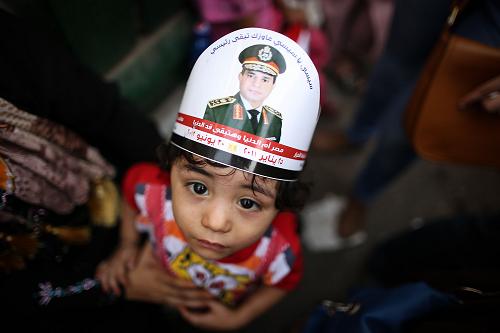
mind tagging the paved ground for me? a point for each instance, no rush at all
(427, 190)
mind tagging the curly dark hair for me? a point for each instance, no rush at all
(290, 195)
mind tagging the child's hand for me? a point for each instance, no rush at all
(216, 317)
(113, 272)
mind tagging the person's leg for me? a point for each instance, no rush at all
(392, 154)
(408, 45)
(380, 14)
(336, 14)
(382, 108)
(396, 72)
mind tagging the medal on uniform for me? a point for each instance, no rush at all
(237, 111)
(264, 117)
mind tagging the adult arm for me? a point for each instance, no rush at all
(149, 282)
(113, 271)
(220, 317)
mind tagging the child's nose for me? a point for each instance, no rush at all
(217, 218)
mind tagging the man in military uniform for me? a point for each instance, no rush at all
(245, 111)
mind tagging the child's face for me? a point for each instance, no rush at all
(217, 210)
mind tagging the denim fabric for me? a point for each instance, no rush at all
(415, 27)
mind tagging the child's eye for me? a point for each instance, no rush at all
(249, 204)
(198, 188)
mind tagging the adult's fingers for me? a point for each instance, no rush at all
(491, 102)
(114, 285)
(111, 276)
(101, 275)
(177, 288)
(487, 94)
(182, 302)
(213, 318)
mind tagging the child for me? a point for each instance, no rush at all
(303, 20)
(219, 209)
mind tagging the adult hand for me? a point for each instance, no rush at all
(487, 95)
(113, 272)
(150, 282)
(216, 316)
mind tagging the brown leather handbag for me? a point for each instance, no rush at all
(438, 129)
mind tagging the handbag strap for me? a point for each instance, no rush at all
(456, 8)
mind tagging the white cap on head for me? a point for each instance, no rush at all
(251, 71)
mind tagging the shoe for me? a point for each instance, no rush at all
(352, 218)
(320, 223)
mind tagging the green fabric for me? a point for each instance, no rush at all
(225, 114)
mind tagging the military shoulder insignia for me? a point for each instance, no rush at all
(237, 111)
(221, 101)
(273, 111)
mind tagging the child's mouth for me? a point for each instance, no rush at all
(211, 246)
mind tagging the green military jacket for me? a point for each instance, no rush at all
(231, 112)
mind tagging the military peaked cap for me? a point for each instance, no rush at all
(263, 58)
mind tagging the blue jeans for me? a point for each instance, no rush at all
(415, 27)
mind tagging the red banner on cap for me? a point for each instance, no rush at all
(242, 137)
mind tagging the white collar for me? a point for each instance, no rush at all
(248, 106)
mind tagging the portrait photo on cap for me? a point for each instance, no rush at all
(245, 110)
(251, 102)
